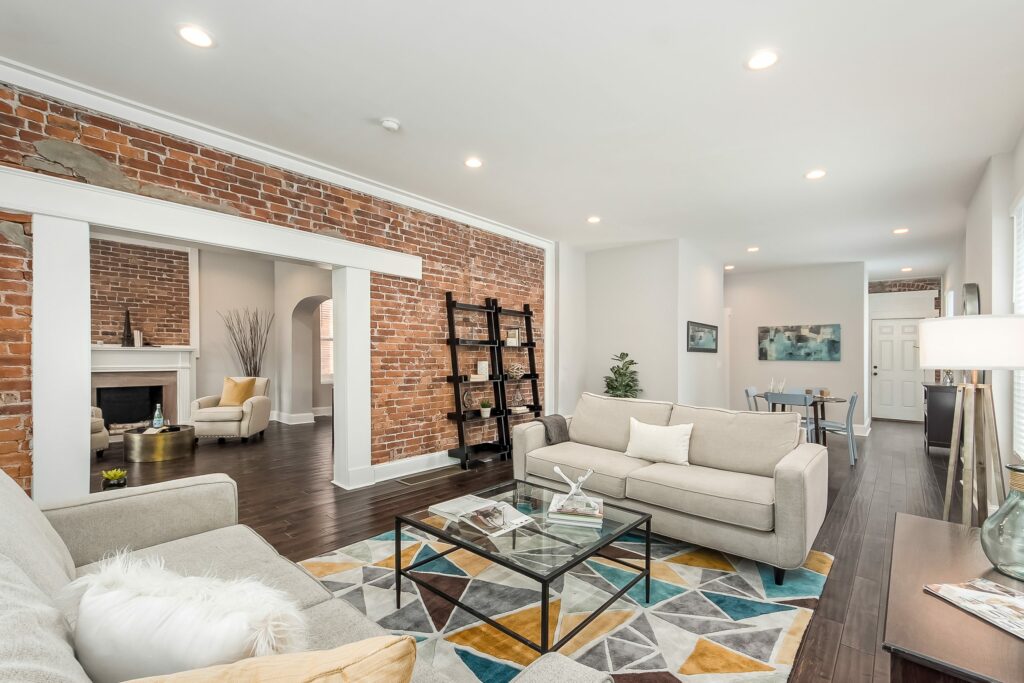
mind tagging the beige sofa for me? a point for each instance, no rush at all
(99, 437)
(193, 525)
(224, 422)
(753, 487)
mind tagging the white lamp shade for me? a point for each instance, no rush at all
(972, 342)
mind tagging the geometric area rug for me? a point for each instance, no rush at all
(712, 617)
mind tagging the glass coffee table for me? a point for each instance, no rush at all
(540, 550)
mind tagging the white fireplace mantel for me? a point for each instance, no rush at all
(178, 359)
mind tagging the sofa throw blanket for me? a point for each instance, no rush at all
(556, 429)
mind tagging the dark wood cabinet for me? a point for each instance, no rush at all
(939, 401)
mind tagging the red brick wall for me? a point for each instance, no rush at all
(409, 359)
(15, 353)
(151, 283)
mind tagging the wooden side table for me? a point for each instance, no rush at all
(928, 638)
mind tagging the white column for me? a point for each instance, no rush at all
(61, 364)
(351, 293)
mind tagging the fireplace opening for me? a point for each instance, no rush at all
(128, 407)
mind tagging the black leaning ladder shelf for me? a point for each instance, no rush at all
(501, 445)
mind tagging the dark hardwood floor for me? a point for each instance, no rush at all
(286, 495)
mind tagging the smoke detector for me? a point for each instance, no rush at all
(390, 124)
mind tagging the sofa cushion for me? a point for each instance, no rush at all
(35, 643)
(732, 497)
(218, 414)
(234, 552)
(610, 467)
(603, 421)
(739, 441)
(28, 539)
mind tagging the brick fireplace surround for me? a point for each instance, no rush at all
(409, 395)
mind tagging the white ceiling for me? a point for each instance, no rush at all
(641, 112)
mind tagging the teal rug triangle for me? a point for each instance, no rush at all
(741, 608)
(660, 590)
(487, 669)
(442, 565)
(799, 583)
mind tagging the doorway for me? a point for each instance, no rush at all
(896, 392)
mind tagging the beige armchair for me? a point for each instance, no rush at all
(99, 437)
(249, 419)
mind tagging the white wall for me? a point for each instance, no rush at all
(701, 298)
(321, 392)
(298, 290)
(229, 280)
(571, 311)
(639, 299)
(833, 293)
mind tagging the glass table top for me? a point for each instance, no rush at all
(541, 548)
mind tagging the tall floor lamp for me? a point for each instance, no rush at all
(973, 343)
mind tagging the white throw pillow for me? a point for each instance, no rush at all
(659, 444)
(138, 619)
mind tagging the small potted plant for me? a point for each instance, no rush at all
(114, 479)
(485, 408)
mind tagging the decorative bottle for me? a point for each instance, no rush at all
(158, 417)
(1002, 534)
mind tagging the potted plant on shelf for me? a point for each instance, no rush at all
(114, 479)
(485, 408)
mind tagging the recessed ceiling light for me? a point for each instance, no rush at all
(753, 249)
(195, 35)
(474, 162)
(900, 231)
(762, 59)
(815, 174)
(906, 270)
(391, 124)
(594, 219)
(729, 267)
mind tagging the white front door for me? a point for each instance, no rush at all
(896, 392)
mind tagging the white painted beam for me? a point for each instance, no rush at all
(351, 293)
(61, 363)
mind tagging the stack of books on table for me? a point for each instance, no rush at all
(578, 511)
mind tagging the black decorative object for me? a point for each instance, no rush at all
(701, 337)
(126, 333)
(501, 412)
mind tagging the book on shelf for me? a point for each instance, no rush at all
(486, 516)
(478, 378)
(998, 605)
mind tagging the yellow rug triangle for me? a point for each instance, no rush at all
(322, 569)
(819, 562)
(598, 628)
(489, 640)
(712, 658)
(471, 563)
(704, 558)
(408, 556)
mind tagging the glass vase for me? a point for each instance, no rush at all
(1002, 534)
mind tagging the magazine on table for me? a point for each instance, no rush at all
(996, 604)
(487, 516)
(576, 511)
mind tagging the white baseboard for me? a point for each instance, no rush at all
(291, 418)
(356, 479)
(414, 465)
(862, 430)
(322, 411)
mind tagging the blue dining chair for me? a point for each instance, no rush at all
(836, 427)
(800, 400)
(751, 393)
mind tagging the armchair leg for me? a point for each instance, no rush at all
(245, 439)
(263, 434)
(780, 575)
(195, 441)
(221, 439)
(99, 454)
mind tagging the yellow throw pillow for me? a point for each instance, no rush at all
(385, 659)
(237, 391)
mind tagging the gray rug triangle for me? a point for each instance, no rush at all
(632, 636)
(412, 617)
(356, 599)
(374, 573)
(738, 582)
(623, 654)
(691, 604)
(651, 664)
(698, 625)
(643, 627)
(596, 657)
(719, 587)
(711, 574)
(756, 644)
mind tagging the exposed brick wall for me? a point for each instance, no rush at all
(16, 348)
(409, 359)
(151, 283)
(917, 284)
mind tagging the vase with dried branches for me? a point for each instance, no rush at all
(248, 333)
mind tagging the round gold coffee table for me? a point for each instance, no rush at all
(173, 444)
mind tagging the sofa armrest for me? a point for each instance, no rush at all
(144, 516)
(557, 667)
(801, 501)
(205, 402)
(526, 437)
(255, 415)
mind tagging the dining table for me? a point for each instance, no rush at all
(818, 403)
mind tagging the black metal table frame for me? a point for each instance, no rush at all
(545, 581)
